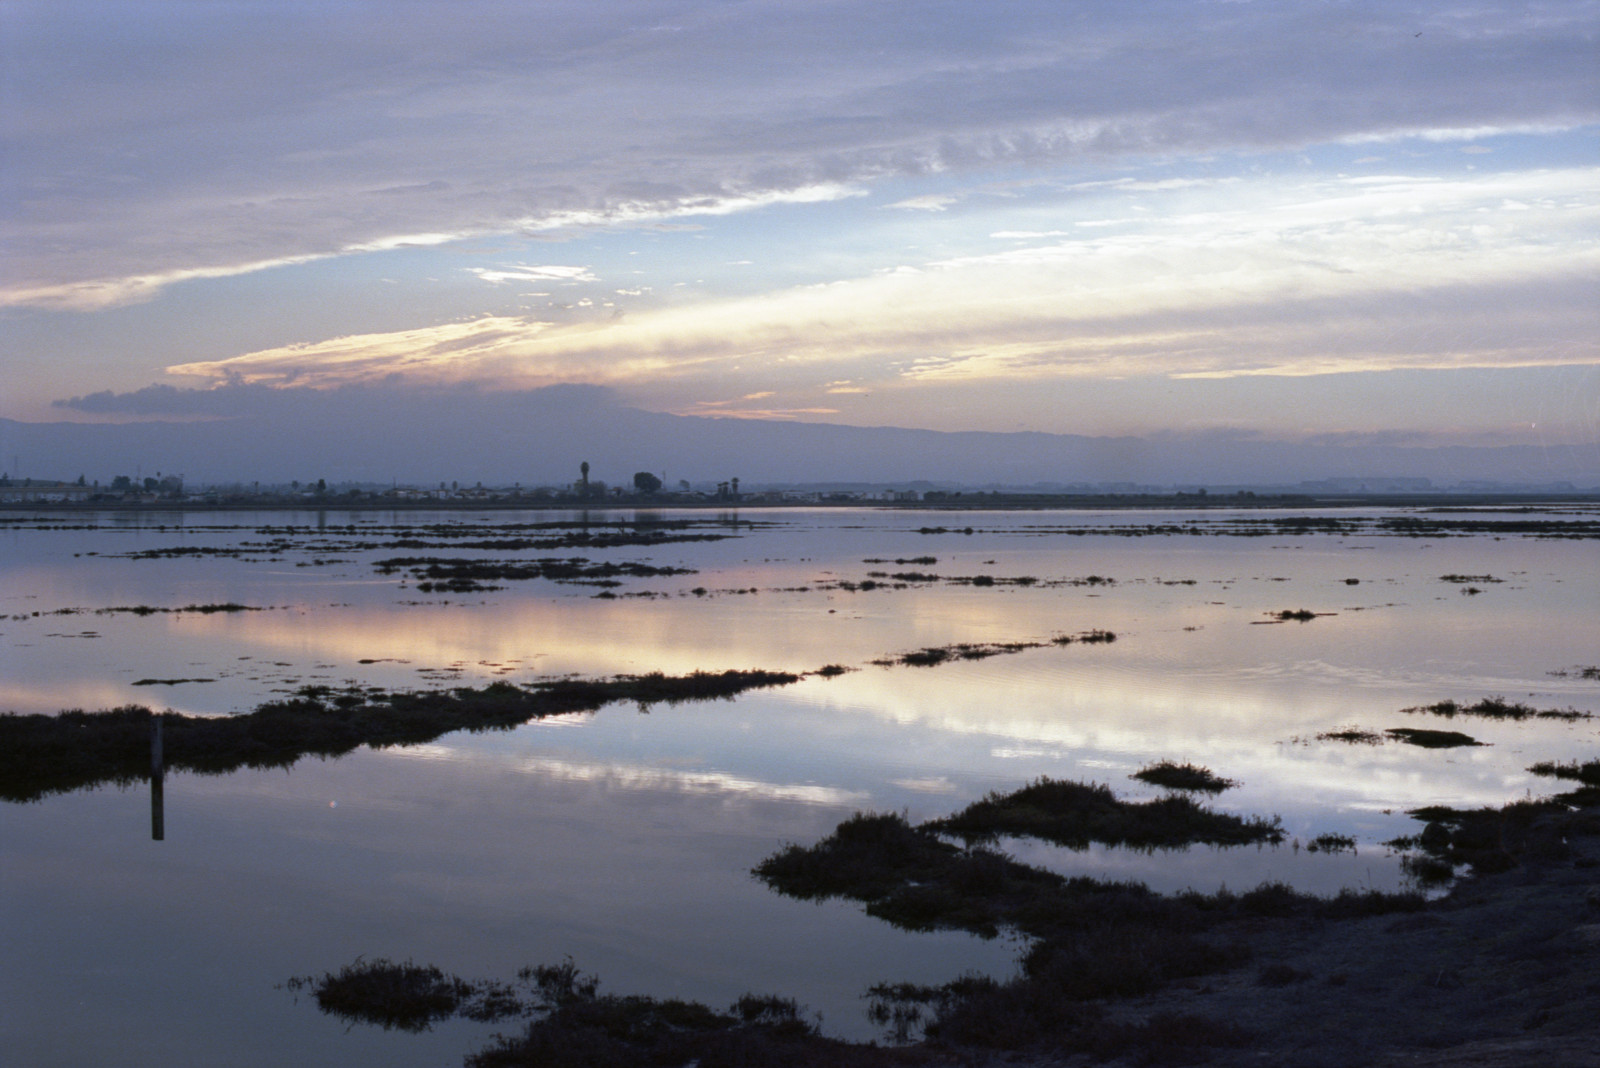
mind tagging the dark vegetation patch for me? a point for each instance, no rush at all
(912, 878)
(1499, 839)
(178, 552)
(1586, 773)
(42, 755)
(1049, 1010)
(900, 580)
(1074, 814)
(202, 609)
(1331, 843)
(334, 543)
(1090, 940)
(1259, 526)
(1434, 527)
(461, 573)
(150, 610)
(407, 997)
(1498, 708)
(1294, 615)
(1089, 637)
(576, 540)
(166, 682)
(936, 655)
(1465, 579)
(458, 585)
(906, 577)
(1184, 776)
(1354, 735)
(1582, 672)
(915, 879)
(570, 1024)
(1431, 739)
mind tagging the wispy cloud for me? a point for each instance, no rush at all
(830, 211)
(293, 134)
(1308, 278)
(931, 202)
(526, 273)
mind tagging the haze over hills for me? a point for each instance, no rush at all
(540, 436)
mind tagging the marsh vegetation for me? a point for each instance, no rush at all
(42, 755)
(1429, 739)
(1497, 708)
(1185, 776)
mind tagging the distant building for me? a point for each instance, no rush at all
(32, 490)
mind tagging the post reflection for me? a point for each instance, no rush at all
(158, 775)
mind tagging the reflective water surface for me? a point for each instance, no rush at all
(624, 839)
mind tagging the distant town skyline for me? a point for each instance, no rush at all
(541, 437)
(1365, 225)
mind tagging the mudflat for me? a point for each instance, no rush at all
(1503, 971)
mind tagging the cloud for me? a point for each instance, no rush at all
(289, 134)
(525, 273)
(170, 401)
(931, 202)
(107, 292)
(306, 405)
(1273, 278)
(717, 410)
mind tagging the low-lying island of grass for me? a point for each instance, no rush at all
(42, 755)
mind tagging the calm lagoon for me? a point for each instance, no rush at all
(625, 838)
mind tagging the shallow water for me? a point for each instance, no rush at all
(625, 838)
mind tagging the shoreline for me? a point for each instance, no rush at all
(958, 502)
(1503, 970)
(1500, 972)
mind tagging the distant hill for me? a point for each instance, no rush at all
(540, 436)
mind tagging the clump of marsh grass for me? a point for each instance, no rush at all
(41, 755)
(1497, 707)
(1581, 671)
(1431, 739)
(570, 1023)
(1354, 735)
(1495, 839)
(1331, 843)
(935, 655)
(1295, 615)
(1186, 776)
(1075, 814)
(403, 996)
(1587, 773)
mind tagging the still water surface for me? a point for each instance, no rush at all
(624, 839)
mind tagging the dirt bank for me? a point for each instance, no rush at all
(1504, 971)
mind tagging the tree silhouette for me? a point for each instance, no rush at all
(646, 483)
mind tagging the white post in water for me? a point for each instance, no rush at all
(158, 822)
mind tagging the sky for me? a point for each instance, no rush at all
(1296, 220)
